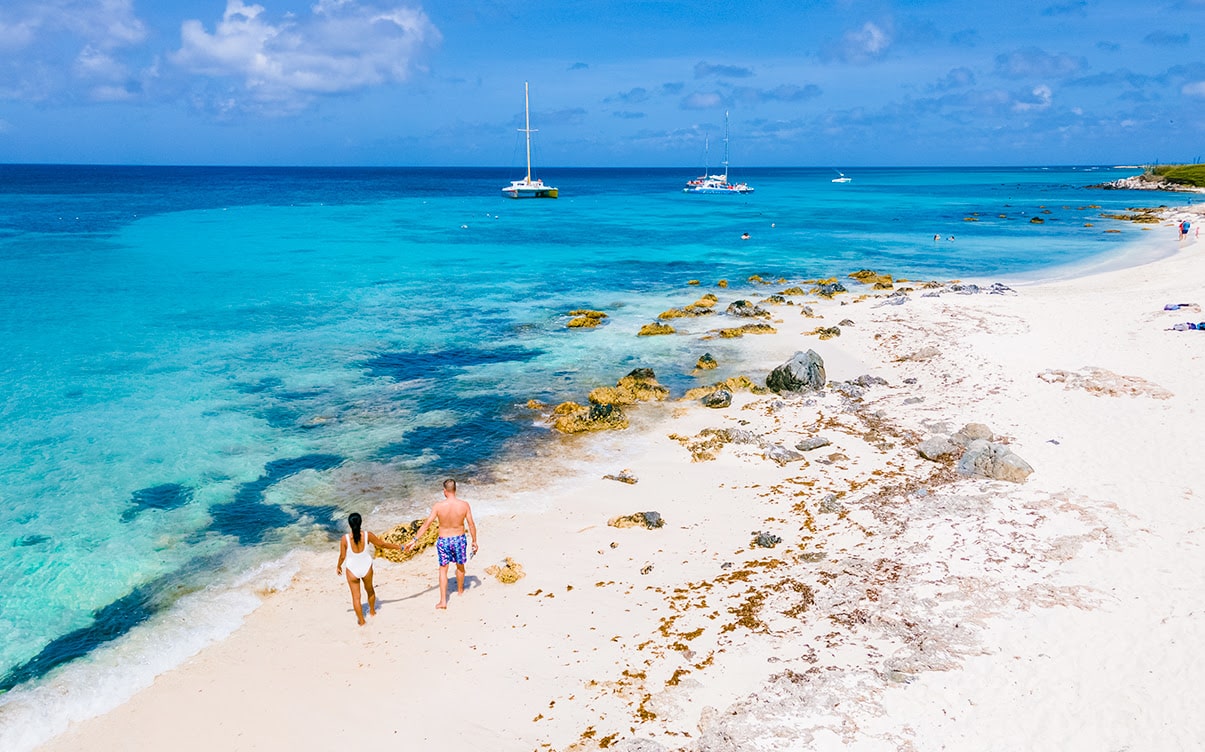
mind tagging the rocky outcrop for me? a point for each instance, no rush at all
(570, 417)
(731, 384)
(403, 534)
(640, 385)
(654, 329)
(740, 331)
(827, 288)
(584, 318)
(873, 279)
(706, 362)
(720, 398)
(803, 372)
(826, 332)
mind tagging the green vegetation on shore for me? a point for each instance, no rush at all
(1193, 174)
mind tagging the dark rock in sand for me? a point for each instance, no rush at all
(849, 389)
(781, 455)
(845, 322)
(650, 520)
(972, 432)
(937, 448)
(803, 372)
(765, 540)
(812, 442)
(623, 476)
(866, 380)
(718, 399)
(996, 461)
(746, 309)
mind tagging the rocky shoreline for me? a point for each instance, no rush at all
(1147, 182)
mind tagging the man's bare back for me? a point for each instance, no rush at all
(452, 514)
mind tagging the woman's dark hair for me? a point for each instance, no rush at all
(353, 519)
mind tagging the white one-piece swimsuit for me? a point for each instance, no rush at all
(358, 563)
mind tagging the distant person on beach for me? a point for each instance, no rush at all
(353, 551)
(453, 515)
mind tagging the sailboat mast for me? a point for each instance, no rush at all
(527, 126)
(725, 146)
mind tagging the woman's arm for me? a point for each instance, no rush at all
(374, 540)
(342, 555)
(421, 530)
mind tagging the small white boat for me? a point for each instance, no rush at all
(527, 187)
(842, 178)
(717, 183)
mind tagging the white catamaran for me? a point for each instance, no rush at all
(717, 183)
(528, 188)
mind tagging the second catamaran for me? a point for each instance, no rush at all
(717, 183)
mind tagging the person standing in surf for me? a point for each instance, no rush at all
(454, 515)
(353, 551)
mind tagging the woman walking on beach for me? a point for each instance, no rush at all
(353, 550)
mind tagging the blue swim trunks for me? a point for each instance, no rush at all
(453, 549)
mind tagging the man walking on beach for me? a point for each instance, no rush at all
(453, 515)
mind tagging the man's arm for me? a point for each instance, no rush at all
(421, 530)
(468, 518)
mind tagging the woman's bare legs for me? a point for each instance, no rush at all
(354, 584)
(372, 594)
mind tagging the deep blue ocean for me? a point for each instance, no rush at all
(207, 367)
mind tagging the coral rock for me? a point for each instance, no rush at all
(509, 572)
(652, 330)
(570, 417)
(403, 534)
(706, 362)
(649, 520)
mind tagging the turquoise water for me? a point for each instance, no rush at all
(208, 367)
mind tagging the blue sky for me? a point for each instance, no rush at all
(440, 82)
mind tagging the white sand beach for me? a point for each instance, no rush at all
(906, 606)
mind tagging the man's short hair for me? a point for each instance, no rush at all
(450, 485)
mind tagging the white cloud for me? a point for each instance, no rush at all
(1040, 99)
(52, 47)
(1194, 89)
(700, 100)
(342, 46)
(867, 43)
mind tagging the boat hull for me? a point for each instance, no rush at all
(544, 192)
(718, 190)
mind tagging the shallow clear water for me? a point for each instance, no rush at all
(206, 366)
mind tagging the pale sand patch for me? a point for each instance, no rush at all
(906, 608)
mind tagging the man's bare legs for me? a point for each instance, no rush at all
(460, 578)
(372, 594)
(443, 586)
(354, 584)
